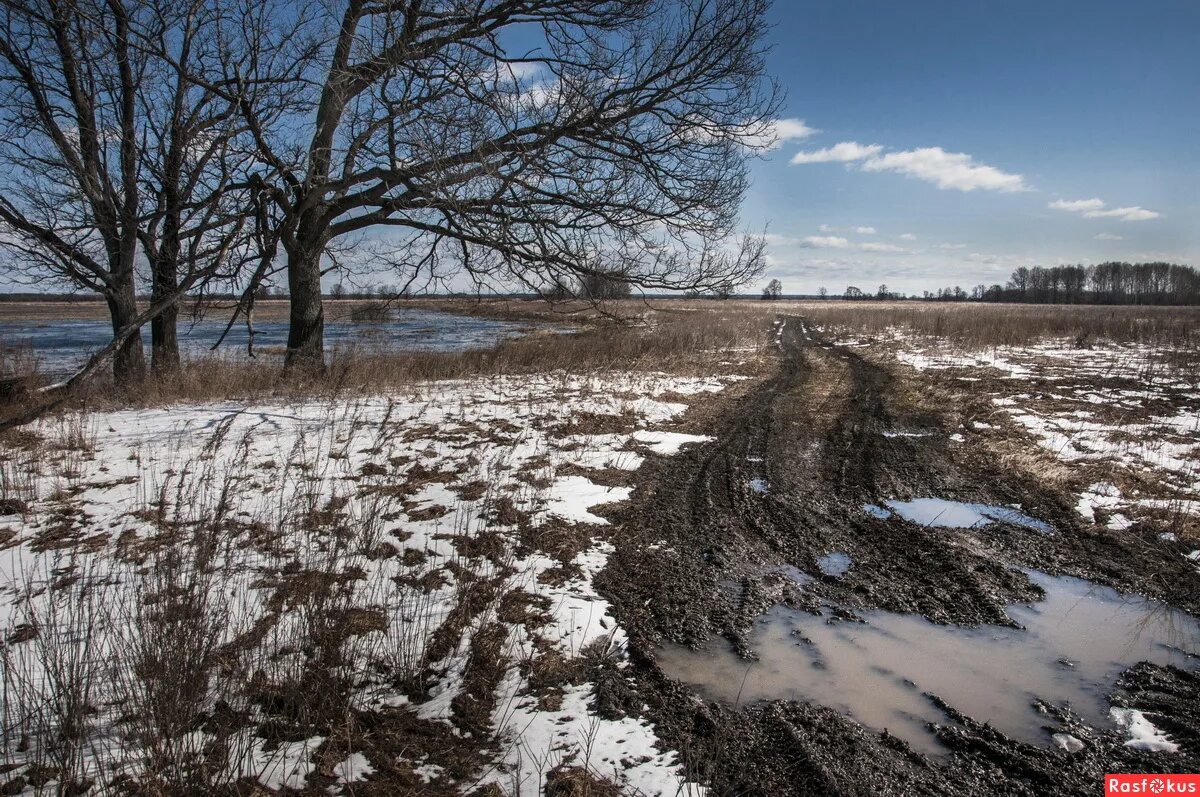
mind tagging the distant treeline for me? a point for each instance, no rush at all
(1104, 283)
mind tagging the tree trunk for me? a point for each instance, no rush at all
(306, 331)
(164, 337)
(129, 363)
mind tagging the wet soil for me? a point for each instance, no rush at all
(718, 534)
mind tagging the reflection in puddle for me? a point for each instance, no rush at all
(1075, 644)
(959, 514)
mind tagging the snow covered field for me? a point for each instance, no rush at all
(1125, 417)
(214, 593)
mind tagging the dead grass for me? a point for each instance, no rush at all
(974, 324)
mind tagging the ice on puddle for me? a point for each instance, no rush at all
(835, 564)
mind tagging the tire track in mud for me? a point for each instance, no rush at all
(718, 534)
(783, 484)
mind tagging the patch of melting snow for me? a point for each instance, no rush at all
(462, 432)
(286, 766)
(356, 767)
(902, 433)
(1142, 733)
(879, 671)
(835, 564)
(668, 443)
(942, 513)
(570, 498)
(1065, 741)
(1101, 495)
(428, 772)
(759, 485)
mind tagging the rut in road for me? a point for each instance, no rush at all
(716, 534)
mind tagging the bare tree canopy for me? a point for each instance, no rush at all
(120, 140)
(525, 143)
(68, 141)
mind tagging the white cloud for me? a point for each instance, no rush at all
(908, 236)
(1108, 236)
(824, 241)
(780, 240)
(1124, 214)
(792, 129)
(951, 246)
(1096, 208)
(845, 152)
(859, 230)
(830, 242)
(946, 170)
(770, 135)
(1076, 205)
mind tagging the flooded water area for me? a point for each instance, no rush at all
(1070, 649)
(62, 345)
(941, 513)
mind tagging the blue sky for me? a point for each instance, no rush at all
(1075, 126)
(929, 143)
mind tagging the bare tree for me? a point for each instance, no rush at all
(616, 137)
(119, 124)
(198, 175)
(773, 290)
(69, 191)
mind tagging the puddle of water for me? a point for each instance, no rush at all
(794, 573)
(941, 513)
(758, 485)
(874, 510)
(835, 564)
(1074, 645)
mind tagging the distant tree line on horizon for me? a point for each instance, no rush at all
(1103, 283)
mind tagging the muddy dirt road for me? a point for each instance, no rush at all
(793, 481)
